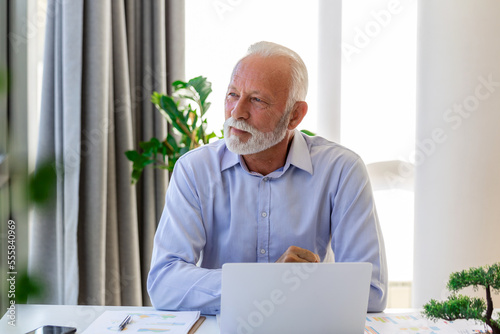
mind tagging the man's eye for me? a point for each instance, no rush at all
(231, 95)
(256, 99)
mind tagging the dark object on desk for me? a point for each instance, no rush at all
(53, 330)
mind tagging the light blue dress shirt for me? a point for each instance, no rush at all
(216, 211)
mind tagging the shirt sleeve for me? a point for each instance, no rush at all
(175, 282)
(356, 233)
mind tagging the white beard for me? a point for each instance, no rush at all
(259, 141)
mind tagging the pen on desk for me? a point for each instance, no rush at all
(124, 322)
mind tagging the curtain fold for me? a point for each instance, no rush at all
(122, 52)
(53, 252)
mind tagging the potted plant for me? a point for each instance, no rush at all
(464, 307)
(184, 110)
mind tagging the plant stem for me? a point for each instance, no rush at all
(489, 312)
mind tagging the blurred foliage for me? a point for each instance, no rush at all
(42, 184)
(28, 286)
(464, 307)
(40, 191)
(184, 110)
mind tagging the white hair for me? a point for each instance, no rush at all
(299, 84)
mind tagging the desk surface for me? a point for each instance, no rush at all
(29, 317)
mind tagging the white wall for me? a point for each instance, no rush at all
(457, 187)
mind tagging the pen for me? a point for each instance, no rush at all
(124, 323)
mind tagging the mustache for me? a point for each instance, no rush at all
(240, 125)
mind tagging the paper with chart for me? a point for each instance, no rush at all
(144, 322)
(414, 323)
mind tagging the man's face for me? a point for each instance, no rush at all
(255, 104)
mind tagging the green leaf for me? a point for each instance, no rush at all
(206, 107)
(171, 163)
(210, 136)
(132, 155)
(150, 146)
(201, 134)
(155, 98)
(168, 108)
(136, 174)
(307, 132)
(183, 150)
(147, 162)
(42, 183)
(187, 94)
(203, 87)
(29, 285)
(172, 142)
(179, 84)
(163, 152)
(168, 104)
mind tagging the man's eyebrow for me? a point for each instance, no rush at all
(255, 91)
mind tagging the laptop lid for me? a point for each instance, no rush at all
(294, 297)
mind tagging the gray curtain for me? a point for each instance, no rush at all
(103, 60)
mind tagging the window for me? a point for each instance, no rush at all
(219, 32)
(378, 119)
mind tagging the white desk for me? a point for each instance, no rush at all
(29, 317)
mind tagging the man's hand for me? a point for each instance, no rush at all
(297, 254)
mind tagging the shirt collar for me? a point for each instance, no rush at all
(229, 159)
(298, 155)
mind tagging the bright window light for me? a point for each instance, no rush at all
(219, 32)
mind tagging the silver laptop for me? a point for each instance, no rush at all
(274, 298)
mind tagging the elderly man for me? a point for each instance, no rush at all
(266, 193)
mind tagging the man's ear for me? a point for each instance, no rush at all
(298, 113)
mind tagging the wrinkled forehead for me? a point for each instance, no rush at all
(271, 72)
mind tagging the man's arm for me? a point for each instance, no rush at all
(174, 281)
(356, 233)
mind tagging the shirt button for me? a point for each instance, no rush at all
(264, 214)
(262, 251)
(265, 179)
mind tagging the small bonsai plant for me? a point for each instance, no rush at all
(464, 307)
(184, 110)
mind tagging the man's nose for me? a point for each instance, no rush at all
(240, 110)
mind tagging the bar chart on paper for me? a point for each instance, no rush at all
(144, 322)
(414, 323)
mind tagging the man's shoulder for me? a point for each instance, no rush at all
(324, 150)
